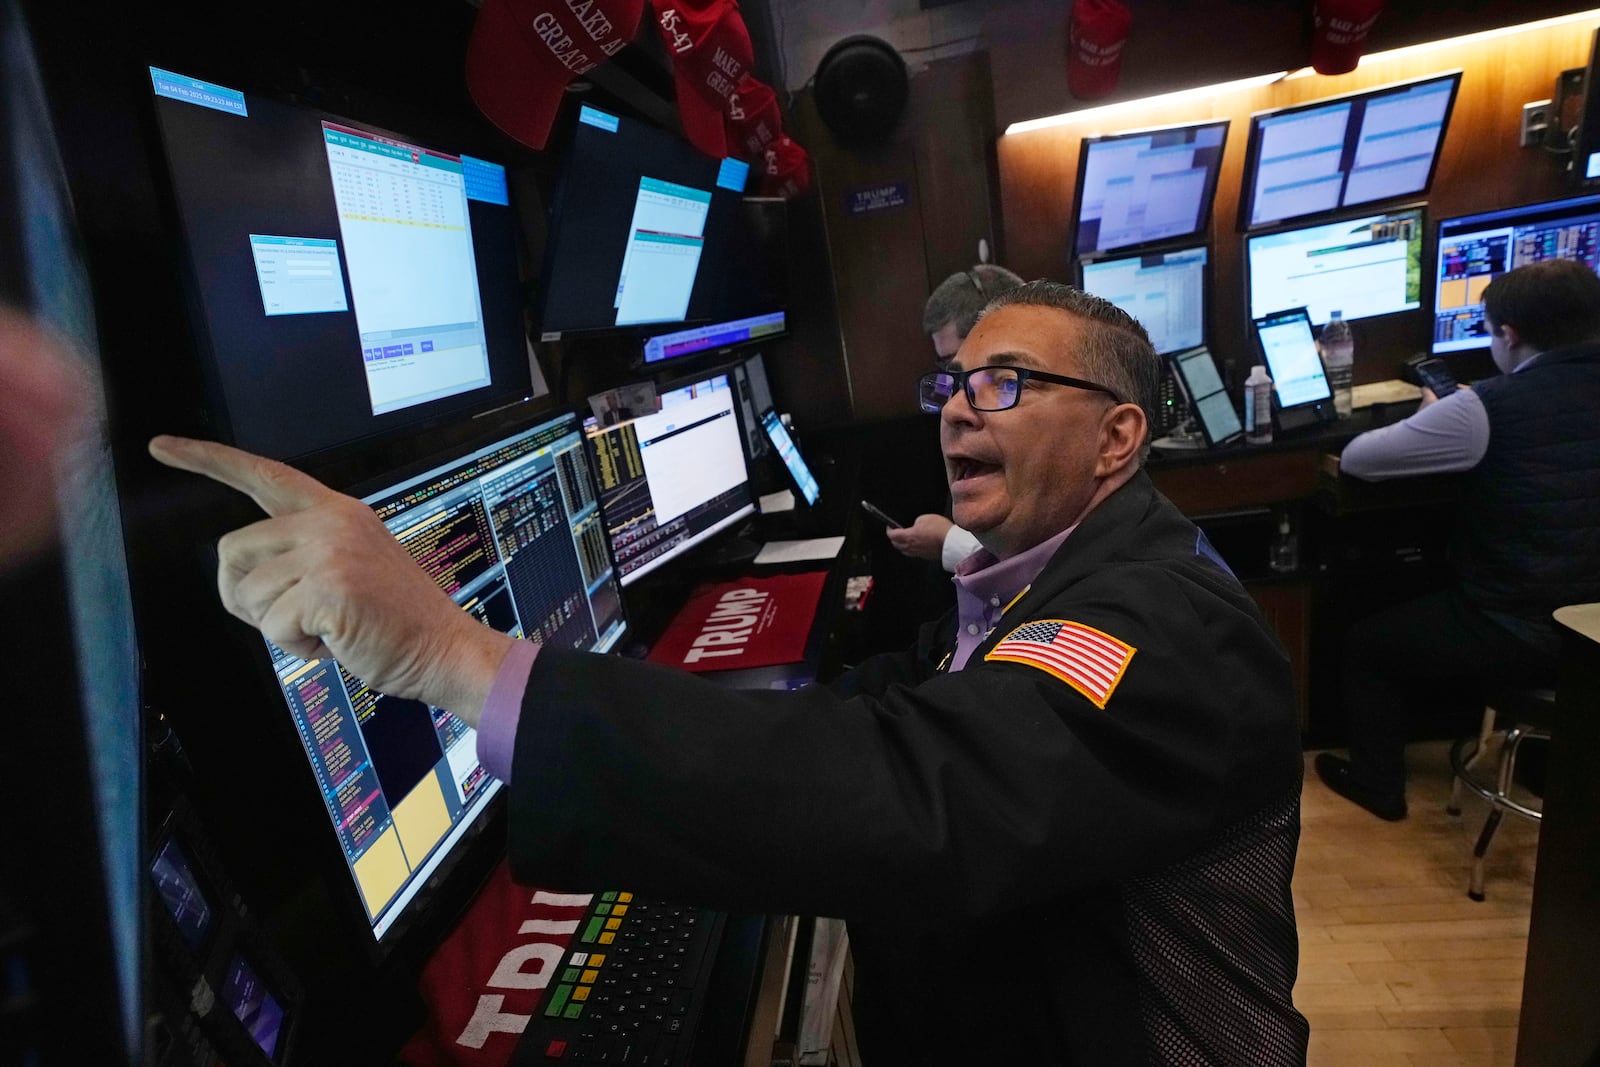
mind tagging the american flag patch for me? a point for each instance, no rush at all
(1090, 661)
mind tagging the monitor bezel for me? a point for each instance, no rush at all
(433, 415)
(1419, 206)
(1202, 228)
(713, 354)
(1252, 153)
(1478, 219)
(1207, 281)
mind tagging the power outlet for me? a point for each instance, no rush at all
(1535, 120)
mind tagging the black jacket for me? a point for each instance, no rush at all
(1028, 878)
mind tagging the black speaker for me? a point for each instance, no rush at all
(861, 88)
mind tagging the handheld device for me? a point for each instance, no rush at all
(1436, 376)
(882, 516)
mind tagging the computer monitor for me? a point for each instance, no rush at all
(1474, 250)
(721, 335)
(1371, 265)
(1146, 186)
(644, 230)
(793, 461)
(1196, 372)
(755, 396)
(671, 480)
(512, 532)
(347, 281)
(1341, 152)
(1298, 379)
(1165, 291)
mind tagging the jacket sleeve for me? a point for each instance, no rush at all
(958, 797)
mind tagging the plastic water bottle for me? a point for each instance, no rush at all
(1284, 556)
(1258, 406)
(1338, 359)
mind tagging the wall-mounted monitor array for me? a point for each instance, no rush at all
(1146, 187)
(1336, 154)
(1165, 291)
(644, 230)
(721, 335)
(671, 480)
(1474, 250)
(347, 281)
(512, 532)
(1371, 265)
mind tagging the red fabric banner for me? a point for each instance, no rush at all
(487, 978)
(752, 622)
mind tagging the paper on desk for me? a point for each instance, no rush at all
(782, 500)
(796, 551)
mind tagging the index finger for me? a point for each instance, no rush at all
(278, 488)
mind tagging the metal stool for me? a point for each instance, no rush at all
(1529, 712)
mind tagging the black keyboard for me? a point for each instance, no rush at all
(630, 988)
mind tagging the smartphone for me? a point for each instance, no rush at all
(1436, 376)
(881, 515)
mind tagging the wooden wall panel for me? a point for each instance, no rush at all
(1480, 168)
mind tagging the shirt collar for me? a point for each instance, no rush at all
(986, 577)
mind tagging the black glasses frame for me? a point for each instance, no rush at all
(963, 380)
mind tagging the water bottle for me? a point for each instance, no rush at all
(1284, 556)
(1258, 406)
(1338, 359)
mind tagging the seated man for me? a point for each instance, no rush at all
(1061, 828)
(947, 317)
(1527, 533)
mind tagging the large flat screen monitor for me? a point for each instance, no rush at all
(347, 281)
(1342, 152)
(512, 532)
(716, 337)
(644, 230)
(671, 480)
(1362, 267)
(1165, 291)
(1474, 250)
(1146, 186)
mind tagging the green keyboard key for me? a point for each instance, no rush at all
(558, 1000)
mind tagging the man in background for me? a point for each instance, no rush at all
(947, 318)
(1527, 532)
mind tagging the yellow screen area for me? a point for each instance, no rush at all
(420, 821)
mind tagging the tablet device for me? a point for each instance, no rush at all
(1195, 370)
(1299, 383)
(778, 434)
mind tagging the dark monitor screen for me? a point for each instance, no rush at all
(253, 1004)
(1165, 291)
(795, 463)
(1146, 186)
(1342, 152)
(718, 335)
(348, 281)
(1291, 355)
(1207, 394)
(672, 479)
(645, 230)
(1371, 265)
(179, 890)
(512, 532)
(1474, 250)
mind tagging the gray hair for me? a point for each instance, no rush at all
(1116, 351)
(961, 297)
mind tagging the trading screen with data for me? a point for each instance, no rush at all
(512, 533)
(670, 480)
(1165, 291)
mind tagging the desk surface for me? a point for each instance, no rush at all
(1325, 437)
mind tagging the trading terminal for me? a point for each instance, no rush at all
(610, 387)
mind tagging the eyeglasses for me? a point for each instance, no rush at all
(991, 388)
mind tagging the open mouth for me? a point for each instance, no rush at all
(963, 468)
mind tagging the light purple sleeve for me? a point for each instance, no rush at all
(1444, 437)
(497, 728)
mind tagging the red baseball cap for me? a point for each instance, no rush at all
(753, 119)
(788, 169)
(711, 52)
(523, 53)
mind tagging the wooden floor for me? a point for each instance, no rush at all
(1397, 965)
